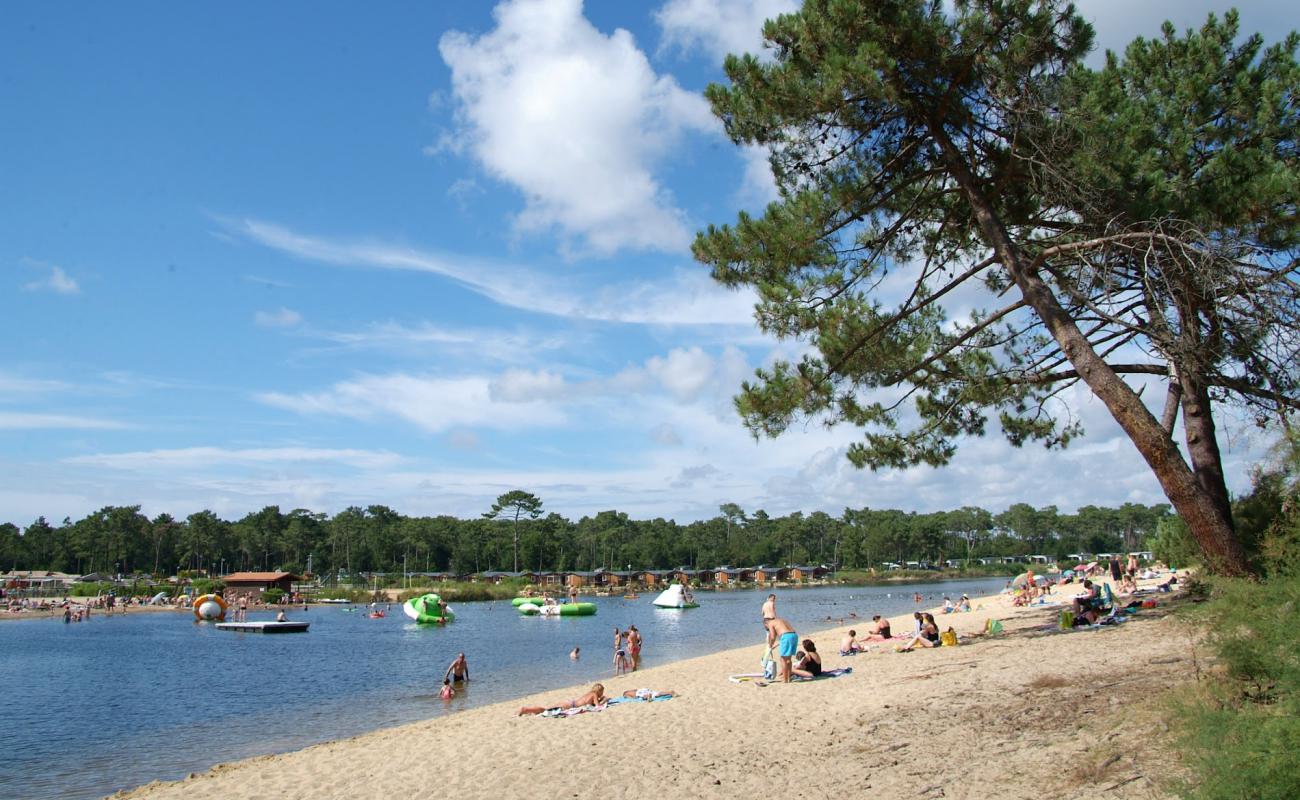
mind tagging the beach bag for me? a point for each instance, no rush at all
(993, 626)
(769, 666)
(948, 638)
(1067, 620)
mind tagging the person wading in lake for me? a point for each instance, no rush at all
(459, 669)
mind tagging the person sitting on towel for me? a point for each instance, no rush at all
(810, 666)
(849, 644)
(879, 628)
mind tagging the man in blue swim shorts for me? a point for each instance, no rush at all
(780, 633)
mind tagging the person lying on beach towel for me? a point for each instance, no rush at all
(596, 697)
(648, 694)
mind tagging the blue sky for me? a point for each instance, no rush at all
(418, 254)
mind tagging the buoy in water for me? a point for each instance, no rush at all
(209, 607)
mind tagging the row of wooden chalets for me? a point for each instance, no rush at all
(644, 578)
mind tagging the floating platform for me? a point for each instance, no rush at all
(558, 609)
(264, 627)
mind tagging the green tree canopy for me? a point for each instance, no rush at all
(931, 158)
(512, 505)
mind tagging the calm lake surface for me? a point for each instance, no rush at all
(90, 708)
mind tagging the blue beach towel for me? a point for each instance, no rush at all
(830, 673)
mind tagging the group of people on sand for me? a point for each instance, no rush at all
(961, 606)
(851, 643)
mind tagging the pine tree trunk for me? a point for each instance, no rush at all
(1205, 518)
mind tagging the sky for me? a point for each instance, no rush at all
(419, 254)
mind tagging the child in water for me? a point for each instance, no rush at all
(447, 692)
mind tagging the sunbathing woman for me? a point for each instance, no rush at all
(596, 697)
(811, 665)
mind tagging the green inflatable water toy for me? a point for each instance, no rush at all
(424, 609)
(565, 610)
(519, 601)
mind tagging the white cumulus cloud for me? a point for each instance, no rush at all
(576, 119)
(719, 27)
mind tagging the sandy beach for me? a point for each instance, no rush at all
(1064, 715)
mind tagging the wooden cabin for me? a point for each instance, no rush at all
(248, 586)
(764, 575)
(730, 576)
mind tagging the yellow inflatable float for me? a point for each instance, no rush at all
(209, 607)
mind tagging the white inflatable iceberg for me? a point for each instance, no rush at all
(675, 597)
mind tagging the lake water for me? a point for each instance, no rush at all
(111, 703)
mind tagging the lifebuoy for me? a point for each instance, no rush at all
(209, 607)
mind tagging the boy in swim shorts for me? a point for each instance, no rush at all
(781, 633)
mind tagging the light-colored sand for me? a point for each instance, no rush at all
(1060, 715)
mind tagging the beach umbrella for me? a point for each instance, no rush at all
(1020, 580)
(1069, 573)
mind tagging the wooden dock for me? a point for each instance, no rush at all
(264, 627)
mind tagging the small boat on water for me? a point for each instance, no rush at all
(675, 596)
(338, 601)
(264, 627)
(632, 596)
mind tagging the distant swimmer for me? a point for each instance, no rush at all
(575, 653)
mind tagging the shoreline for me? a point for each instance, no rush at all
(728, 727)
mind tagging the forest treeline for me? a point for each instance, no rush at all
(377, 538)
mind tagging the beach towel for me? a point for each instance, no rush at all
(613, 701)
(563, 713)
(830, 673)
(749, 677)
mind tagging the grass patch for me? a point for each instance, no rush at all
(1241, 729)
(1048, 682)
